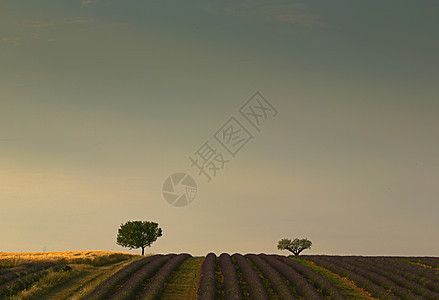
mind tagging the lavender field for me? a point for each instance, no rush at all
(236, 276)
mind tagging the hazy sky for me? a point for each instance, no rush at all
(100, 101)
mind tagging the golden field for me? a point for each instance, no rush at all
(96, 258)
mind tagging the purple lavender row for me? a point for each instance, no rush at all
(428, 277)
(428, 261)
(207, 287)
(276, 280)
(361, 281)
(157, 283)
(24, 281)
(362, 269)
(251, 277)
(104, 289)
(303, 287)
(17, 269)
(21, 272)
(231, 287)
(133, 285)
(398, 277)
(407, 267)
(411, 281)
(377, 277)
(7, 277)
(20, 283)
(319, 281)
(422, 271)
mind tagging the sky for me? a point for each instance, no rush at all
(102, 100)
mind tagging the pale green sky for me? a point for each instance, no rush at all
(102, 100)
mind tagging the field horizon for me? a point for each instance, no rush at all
(95, 252)
(98, 274)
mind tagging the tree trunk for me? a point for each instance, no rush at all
(143, 250)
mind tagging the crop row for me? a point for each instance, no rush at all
(26, 279)
(301, 284)
(265, 276)
(231, 287)
(389, 276)
(133, 285)
(277, 282)
(143, 279)
(427, 261)
(105, 289)
(416, 272)
(260, 276)
(359, 279)
(251, 277)
(23, 270)
(420, 285)
(157, 283)
(379, 278)
(206, 289)
(319, 282)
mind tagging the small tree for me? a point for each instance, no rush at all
(295, 246)
(138, 234)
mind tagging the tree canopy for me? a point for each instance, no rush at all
(138, 234)
(295, 246)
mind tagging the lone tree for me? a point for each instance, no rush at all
(296, 246)
(138, 234)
